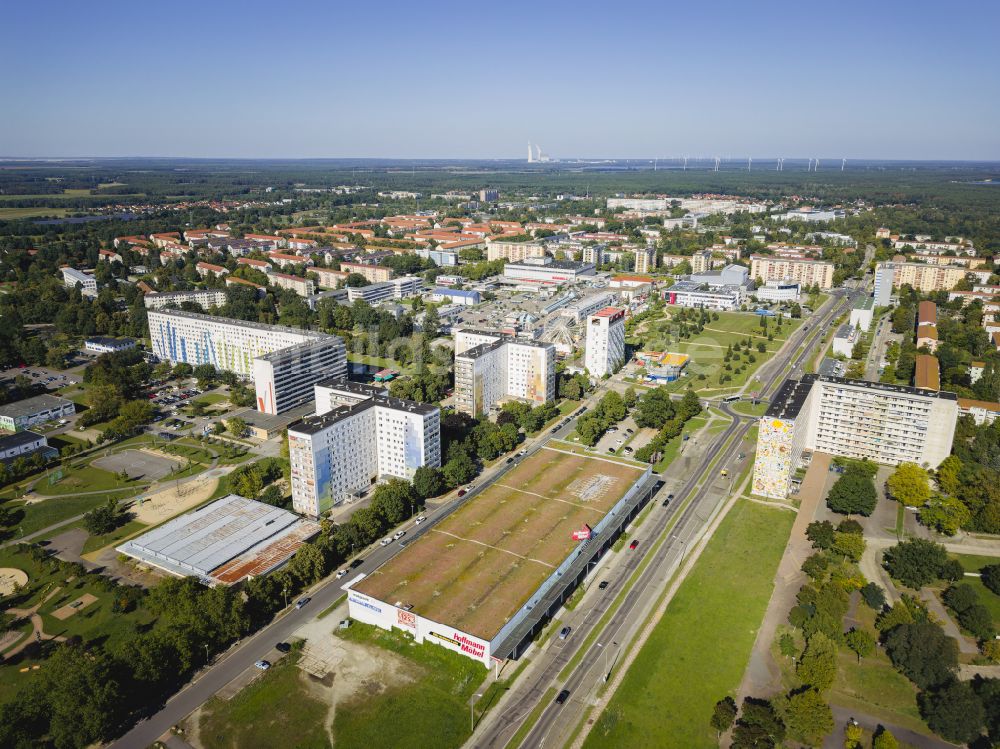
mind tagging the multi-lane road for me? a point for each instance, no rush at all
(695, 502)
(246, 652)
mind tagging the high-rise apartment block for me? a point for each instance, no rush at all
(645, 260)
(492, 366)
(284, 363)
(806, 272)
(605, 344)
(887, 424)
(358, 435)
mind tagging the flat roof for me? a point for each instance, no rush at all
(864, 302)
(34, 405)
(231, 528)
(476, 568)
(16, 439)
(239, 323)
(315, 424)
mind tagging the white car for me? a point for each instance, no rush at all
(419, 520)
(341, 574)
(398, 535)
(263, 665)
(385, 542)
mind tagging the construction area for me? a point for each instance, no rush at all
(470, 580)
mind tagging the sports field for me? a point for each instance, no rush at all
(476, 568)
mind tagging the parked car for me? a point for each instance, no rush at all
(398, 535)
(633, 545)
(385, 542)
(603, 584)
(564, 632)
(666, 502)
(461, 492)
(419, 520)
(263, 665)
(341, 574)
(302, 602)
(282, 647)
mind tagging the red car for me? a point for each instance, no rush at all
(633, 545)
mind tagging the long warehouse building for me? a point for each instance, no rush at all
(284, 363)
(483, 580)
(888, 424)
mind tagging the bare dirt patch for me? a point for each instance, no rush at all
(10, 578)
(65, 612)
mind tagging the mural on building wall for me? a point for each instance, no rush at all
(773, 465)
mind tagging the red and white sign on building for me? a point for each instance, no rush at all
(583, 534)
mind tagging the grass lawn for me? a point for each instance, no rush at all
(974, 562)
(432, 710)
(875, 687)
(77, 480)
(275, 710)
(210, 399)
(748, 409)
(10, 214)
(93, 543)
(39, 515)
(673, 447)
(708, 349)
(699, 649)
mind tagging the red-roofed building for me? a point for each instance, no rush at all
(206, 269)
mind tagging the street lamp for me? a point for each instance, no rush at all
(472, 714)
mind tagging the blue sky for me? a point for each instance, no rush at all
(850, 79)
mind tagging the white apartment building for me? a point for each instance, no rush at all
(514, 252)
(805, 272)
(301, 286)
(593, 253)
(328, 278)
(778, 291)
(283, 362)
(490, 367)
(887, 424)
(583, 308)
(546, 271)
(203, 297)
(639, 204)
(397, 288)
(921, 276)
(701, 261)
(72, 277)
(605, 346)
(358, 435)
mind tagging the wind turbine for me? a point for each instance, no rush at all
(685, 163)
(749, 162)
(717, 160)
(816, 167)
(843, 163)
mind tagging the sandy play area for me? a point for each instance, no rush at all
(171, 500)
(10, 578)
(65, 612)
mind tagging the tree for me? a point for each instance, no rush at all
(874, 596)
(218, 428)
(758, 726)
(990, 576)
(945, 514)
(853, 493)
(915, 562)
(393, 501)
(654, 409)
(947, 474)
(884, 739)
(954, 711)
(248, 481)
(237, 426)
(103, 519)
(808, 717)
(853, 734)
(355, 280)
(459, 469)
(724, 714)
(861, 641)
(428, 482)
(850, 545)
(818, 665)
(910, 485)
(923, 653)
(821, 534)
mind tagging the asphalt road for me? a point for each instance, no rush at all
(556, 721)
(261, 645)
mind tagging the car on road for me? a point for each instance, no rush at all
(385, 542)
(341, 574)
(356, 563)
(603, 584)
(510, 460)
(564, 632)
(398, 535)
(670, 496)
(461, 492)
(634, 545)
(666, 502)
(283, 647)
(562, 697)
(263, 665)
(419, 520)
(302, 602)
